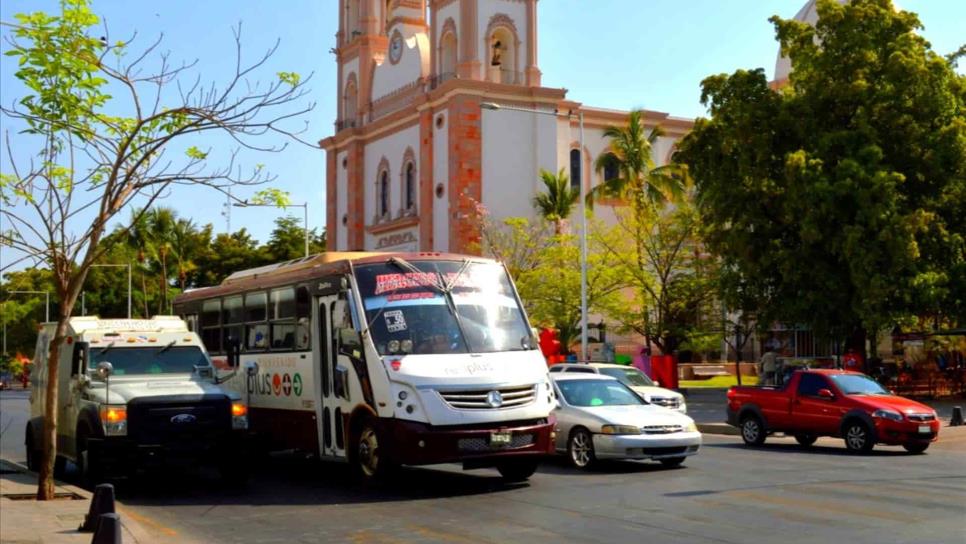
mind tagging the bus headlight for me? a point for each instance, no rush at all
(239, 416)
(114, 419)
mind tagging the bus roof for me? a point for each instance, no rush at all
(329, 262)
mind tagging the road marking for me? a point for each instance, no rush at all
(824, 506)
(148, 521)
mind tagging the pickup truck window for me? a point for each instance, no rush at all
(809, 384)
(854, 384)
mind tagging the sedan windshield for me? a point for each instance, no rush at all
(432, 307)
(597, 393)
(149, 360)
(856, 384)
(629, 376)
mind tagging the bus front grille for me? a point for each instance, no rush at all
(490, 399)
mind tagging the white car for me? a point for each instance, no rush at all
(600, 418)
(631, 377)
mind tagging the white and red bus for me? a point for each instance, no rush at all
(383, 359)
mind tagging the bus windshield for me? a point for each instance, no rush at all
(149, 360)
(433, 307)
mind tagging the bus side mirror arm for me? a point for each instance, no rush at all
(234, 356)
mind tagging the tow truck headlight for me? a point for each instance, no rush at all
(114, 419)
(619, 429)
(887, 414)
(239, 416)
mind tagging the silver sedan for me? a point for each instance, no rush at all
(601, 418)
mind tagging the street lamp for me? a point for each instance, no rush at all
(128, 265)
(305, 207)
(583, 215)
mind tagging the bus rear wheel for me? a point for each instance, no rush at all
(517, 470)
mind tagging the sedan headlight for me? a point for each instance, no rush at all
(887, 414)
(620, 429)
(239, 416)
(114, 419)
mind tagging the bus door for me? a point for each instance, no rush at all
(334, 402)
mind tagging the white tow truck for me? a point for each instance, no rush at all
(136, 394)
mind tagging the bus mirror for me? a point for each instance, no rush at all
(350, 343)
(233, 350)
(204, 371)
(251, 368)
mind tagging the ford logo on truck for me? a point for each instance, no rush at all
(183, 419)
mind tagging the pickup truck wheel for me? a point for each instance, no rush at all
(89, 467)
(805, 439)
(916, 447)
(752, 430)
(517, 470)
(858, 438)
(580, 449)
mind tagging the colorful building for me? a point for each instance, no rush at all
(414, 154)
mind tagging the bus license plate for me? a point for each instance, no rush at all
(499, 440)
(924, 429)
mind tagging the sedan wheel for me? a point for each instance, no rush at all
(581, 449)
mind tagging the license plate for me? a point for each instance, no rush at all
(499, 440)
(925, 429)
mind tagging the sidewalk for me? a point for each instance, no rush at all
(23, 519)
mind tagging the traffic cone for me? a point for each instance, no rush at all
(101, 503)
(108, 530)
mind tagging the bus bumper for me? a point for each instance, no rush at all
(476, 446)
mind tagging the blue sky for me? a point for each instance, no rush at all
(616, 54)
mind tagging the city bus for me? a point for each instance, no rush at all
(383, 359)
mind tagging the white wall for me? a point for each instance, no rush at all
(413, 64)
(391, 147)
(341, 202)
(516, 145)
(440, 175)
(452, 11)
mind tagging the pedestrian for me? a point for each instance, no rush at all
(767, 366)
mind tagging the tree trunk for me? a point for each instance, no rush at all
(45, 478)
(144, 294)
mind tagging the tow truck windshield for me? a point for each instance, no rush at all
(434, 307)
(164, 359)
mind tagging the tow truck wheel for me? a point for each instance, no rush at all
(916, 447)
(858, 438)
(752, 430)
(517, 470)
(580, 449)
(805, 439)
(33, 453)
(88, 466)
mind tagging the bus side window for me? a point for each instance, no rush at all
(324, 353)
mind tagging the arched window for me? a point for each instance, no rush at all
(409, 187)
(610, 168)
(384, 194)
(350, 102)
(575, 171)
(447, 56)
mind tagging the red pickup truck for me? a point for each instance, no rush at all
(838, 403)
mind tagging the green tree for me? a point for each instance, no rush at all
(161, 223)
(287, 240)
(230, 253)
(557, 202)
(92, 151)
(837, 202)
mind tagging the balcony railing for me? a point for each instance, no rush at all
(344, 124)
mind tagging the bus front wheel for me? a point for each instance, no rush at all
(368, 452)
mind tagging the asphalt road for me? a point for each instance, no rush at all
(728, 493)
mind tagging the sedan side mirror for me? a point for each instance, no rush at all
(826, 394)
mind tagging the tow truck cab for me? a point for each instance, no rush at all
(136, 394)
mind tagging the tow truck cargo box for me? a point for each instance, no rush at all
(136, 394)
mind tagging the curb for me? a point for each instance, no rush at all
(133, 528)
(717, 428)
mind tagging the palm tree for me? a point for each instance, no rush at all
(184, 246)
(557, 203)
(161, 223)
(638, 179)
(137, 239)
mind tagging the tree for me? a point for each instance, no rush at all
(287, 241)
(837, 202)
(106, 131)
(557, 203)
(671, 280)
(227, 254)
(161, 224)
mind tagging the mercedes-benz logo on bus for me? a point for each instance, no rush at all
(494, 399)
(183, 419)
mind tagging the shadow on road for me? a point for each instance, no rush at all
(812, 450)
(560, 466)
(303, 481)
